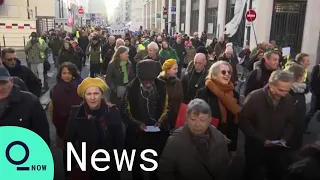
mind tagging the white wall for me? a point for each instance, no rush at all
(311, 32)
(97, 6)
(44, 7)
(262, 24)
(15, 9)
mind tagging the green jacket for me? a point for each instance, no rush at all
(169, 54)
(34, 52)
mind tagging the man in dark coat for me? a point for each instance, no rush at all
(267, 119)
(83, 42)
(20, 108)
(178, 45)
(145, 103)
(259, 77)
(13, 65)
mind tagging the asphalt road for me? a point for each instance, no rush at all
(235, 171)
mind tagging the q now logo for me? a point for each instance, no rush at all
(24, 155)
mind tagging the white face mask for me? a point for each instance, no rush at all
(137, 42)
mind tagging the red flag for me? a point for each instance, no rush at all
(182, 117)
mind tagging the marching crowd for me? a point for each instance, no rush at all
(143, 80)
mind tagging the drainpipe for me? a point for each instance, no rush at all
(28, 4)
(59, 1)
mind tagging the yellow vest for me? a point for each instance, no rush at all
(101, 60)
(141, 47)
(288, 64)
(42, 54)
(77, 35)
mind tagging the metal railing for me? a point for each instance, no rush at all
(13, 41)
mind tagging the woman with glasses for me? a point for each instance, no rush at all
(222, 98)
(231, 58)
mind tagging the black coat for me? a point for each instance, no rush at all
(83, 42)
(27, 76)
(315, 85)
(299, 124)
(254, 81)
(114, 79)
(17, 81)
(191, 83)
(131, 110)
(230, 129)
(307, 168)
(181, 51)
(72, 57)
(81, 129)
(25, 110)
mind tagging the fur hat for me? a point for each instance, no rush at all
(148, 70)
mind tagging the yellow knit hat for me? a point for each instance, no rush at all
(168, 64)
(89, 82)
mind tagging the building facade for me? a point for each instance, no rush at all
(18, 19)
(287, 22)
(97, 6)
(136, 15)
(122, 14)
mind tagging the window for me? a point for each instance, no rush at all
(194, 17)
(211, 23)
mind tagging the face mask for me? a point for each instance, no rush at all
(137, 42)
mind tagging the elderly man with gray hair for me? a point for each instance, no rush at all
(109, 45)
(267, 119)
(195, 78)
(196, 41)
(109, 54)
(153, 53)
(197, 150)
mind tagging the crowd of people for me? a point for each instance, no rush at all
(144, 80)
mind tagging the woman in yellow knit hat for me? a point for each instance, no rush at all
(96, 123)
(174, 88)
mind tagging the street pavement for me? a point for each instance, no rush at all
(235, 171)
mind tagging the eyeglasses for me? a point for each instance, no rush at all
(224, 72)
(11, 59)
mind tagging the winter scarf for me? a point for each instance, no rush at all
(226, 99)
(299, 87)
(123, 65)
(202, 143)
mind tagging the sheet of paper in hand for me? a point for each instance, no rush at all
(152, 129)
(279, 143)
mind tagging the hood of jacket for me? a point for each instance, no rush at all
(14, 70)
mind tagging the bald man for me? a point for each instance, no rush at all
(195, 78)
(199, 56)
